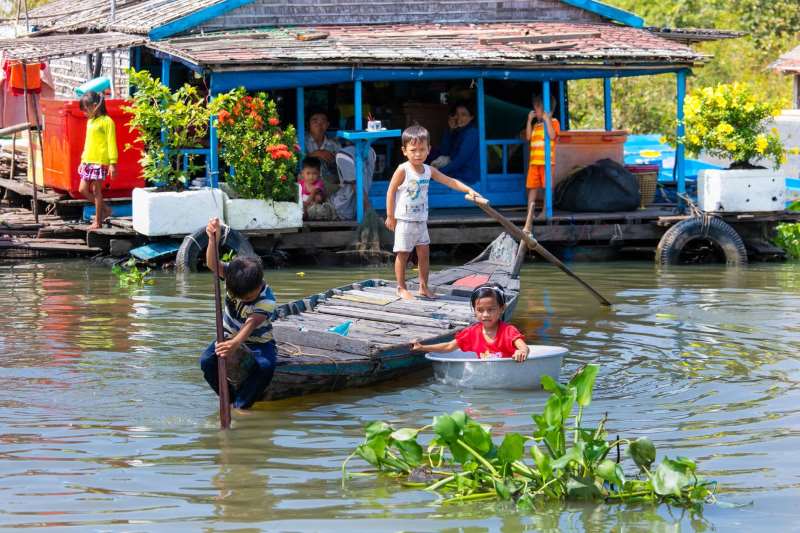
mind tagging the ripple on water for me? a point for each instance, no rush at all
(105, 419)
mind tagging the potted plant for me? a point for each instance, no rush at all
(730, 122)
(262, 155)
(168, 121)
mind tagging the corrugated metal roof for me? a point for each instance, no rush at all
(694, 35)
(788, 63)
(42, 48)
(457, 44)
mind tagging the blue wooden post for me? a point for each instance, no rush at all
(360, 149)
(609, 124)
(482, 135)
(548, 165)
(165, 66)
(562, 104)
(212, 163)
(680, 169)
(301, 120)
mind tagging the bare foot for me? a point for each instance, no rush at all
(425, 292)
(240, 412)
(403, 293)
(96, 224)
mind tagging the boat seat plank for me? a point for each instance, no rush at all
(371, 299)
(459, 314)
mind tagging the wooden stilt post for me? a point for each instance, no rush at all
(31, 153)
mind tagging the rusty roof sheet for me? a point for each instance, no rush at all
(45, 47)
(788, 63)
(131, 16)
(432, 45)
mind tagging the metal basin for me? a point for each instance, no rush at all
(465, 369)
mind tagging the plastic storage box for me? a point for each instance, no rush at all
(741, 191)
(64, 135)
(579, 148)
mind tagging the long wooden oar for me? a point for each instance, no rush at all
(533, 244)
(222, 364)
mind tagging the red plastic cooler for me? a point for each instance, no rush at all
(64, 134)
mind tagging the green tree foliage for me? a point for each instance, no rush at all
(647, 104)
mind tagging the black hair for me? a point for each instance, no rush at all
(93, 103)
(243, 275)
(317, 111)
(462, 103)
(489, 290)
(538, 100)
(414, 134)
(311, 162)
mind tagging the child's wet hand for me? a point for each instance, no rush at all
(416, 346)
(212, 227)
(226, 348)
(112, 170)
(531, 115)
(520, 355)
(391, 223)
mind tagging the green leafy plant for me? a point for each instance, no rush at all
(730, 121)
(228, 256)
(462, 462)
(166, 121)
(787, 235)
(130, 275)
(261, 151)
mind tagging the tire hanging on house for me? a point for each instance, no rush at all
(194, 246)
(713, 230)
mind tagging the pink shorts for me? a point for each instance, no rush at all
(92, 172)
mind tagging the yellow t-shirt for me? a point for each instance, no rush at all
(100, 147)
(537, 144)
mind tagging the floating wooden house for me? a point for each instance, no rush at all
(401, 62)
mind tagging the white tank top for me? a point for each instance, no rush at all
(411, 199)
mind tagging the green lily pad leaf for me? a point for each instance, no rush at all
(502, 489)
(583, 382)
(477, 438)
(446, 428)
(582, 488)
(611, 472)
(378, 445)
(368, 454)
(460, 418)
(411, 452)
(512, 449)
(670, 477)
(377, 428)
(542, 463)
(404, 434)
(643, 452)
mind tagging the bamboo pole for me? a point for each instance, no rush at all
(222, 364)
(533, 244)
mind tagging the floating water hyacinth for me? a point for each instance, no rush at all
(462, 462)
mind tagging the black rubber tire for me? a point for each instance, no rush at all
(721, 234)
(195, 244)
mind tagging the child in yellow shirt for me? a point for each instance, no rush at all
(99, 158)
(536, 168)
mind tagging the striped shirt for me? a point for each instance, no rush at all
(237, 312)
(537, 144)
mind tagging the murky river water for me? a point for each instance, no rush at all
(107, 425)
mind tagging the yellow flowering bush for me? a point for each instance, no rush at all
(730, 121)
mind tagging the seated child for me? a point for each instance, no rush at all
(249, 346)
(490, 337)
(312, 188)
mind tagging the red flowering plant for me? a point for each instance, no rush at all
(261, 151)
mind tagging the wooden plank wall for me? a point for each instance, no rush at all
(309, 12)
(69, 72)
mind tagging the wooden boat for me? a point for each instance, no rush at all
(377, 347)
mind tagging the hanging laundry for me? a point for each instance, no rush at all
(16, 77)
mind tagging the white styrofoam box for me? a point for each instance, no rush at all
(175, 213)
(241, 214)
(741, 191)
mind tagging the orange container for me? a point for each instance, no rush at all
(64, 134)
(579, 148)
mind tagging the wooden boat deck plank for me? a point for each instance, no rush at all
(455, 314)
(397, 317)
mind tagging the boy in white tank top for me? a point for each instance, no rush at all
(407, 208)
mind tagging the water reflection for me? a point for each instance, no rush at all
(106, 422)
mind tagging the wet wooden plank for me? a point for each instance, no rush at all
(317, 338)
(383, 316)
(457, 314)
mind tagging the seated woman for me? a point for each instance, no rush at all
(323, 148)
(464, 164)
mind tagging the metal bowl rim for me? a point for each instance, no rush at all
(437, 357)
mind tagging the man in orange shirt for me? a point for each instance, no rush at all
(535, 131)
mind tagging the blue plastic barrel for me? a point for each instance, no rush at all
(97, 85)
